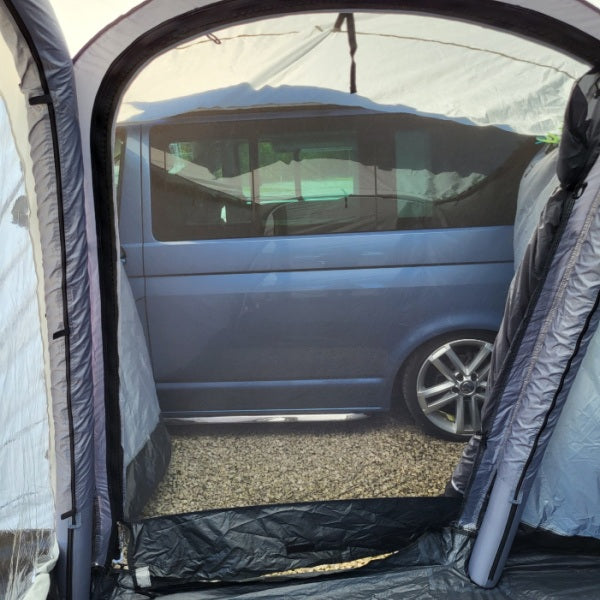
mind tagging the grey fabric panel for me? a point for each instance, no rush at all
(145, 470)
(558, 501)
(145, 441)
(577, 152)
(539, 182)
(564, 334)
(66, 276)
(550, 338)
(27, 533)
(526, 281)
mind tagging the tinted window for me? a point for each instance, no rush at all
(276, 174)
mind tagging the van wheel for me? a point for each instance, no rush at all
(444, 383)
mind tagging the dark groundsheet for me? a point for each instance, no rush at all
(227, 554)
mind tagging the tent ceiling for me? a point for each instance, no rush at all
(99, 13)
(405, 63)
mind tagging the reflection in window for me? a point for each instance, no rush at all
(306, 167)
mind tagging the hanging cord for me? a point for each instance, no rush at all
(349, 18)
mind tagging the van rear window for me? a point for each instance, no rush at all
(291, 174)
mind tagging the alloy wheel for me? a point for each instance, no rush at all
(451, 385)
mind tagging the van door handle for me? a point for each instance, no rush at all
(123, 255)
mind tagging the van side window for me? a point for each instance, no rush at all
(303, 175)
(201, 189)
(310, 177)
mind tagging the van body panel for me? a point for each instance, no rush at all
(318, 326)
(318, 322)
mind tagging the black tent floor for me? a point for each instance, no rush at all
(539, 576)
(430, 565)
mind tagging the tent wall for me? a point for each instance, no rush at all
(45, 72)
(580, 14)
(146, 445)
(544, 369)
(27, 536)
(563, 498)
(546, 342)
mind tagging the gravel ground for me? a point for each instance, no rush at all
(224, 466)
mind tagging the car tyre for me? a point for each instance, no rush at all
(444, 383)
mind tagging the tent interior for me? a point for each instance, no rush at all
(272, 116)
(187, 127)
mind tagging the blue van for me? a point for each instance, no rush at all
(319, 261)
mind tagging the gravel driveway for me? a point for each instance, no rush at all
(223, 466)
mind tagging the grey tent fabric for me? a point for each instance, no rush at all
(552, 333)
(536, 375)
(79, 31)
(222, 545)
(578, 148)
(543, 371)
(47, 87)
(432, 567)
(539, 182)
(564, 495)
(27, 535)
(146, 445)
(535, 265)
